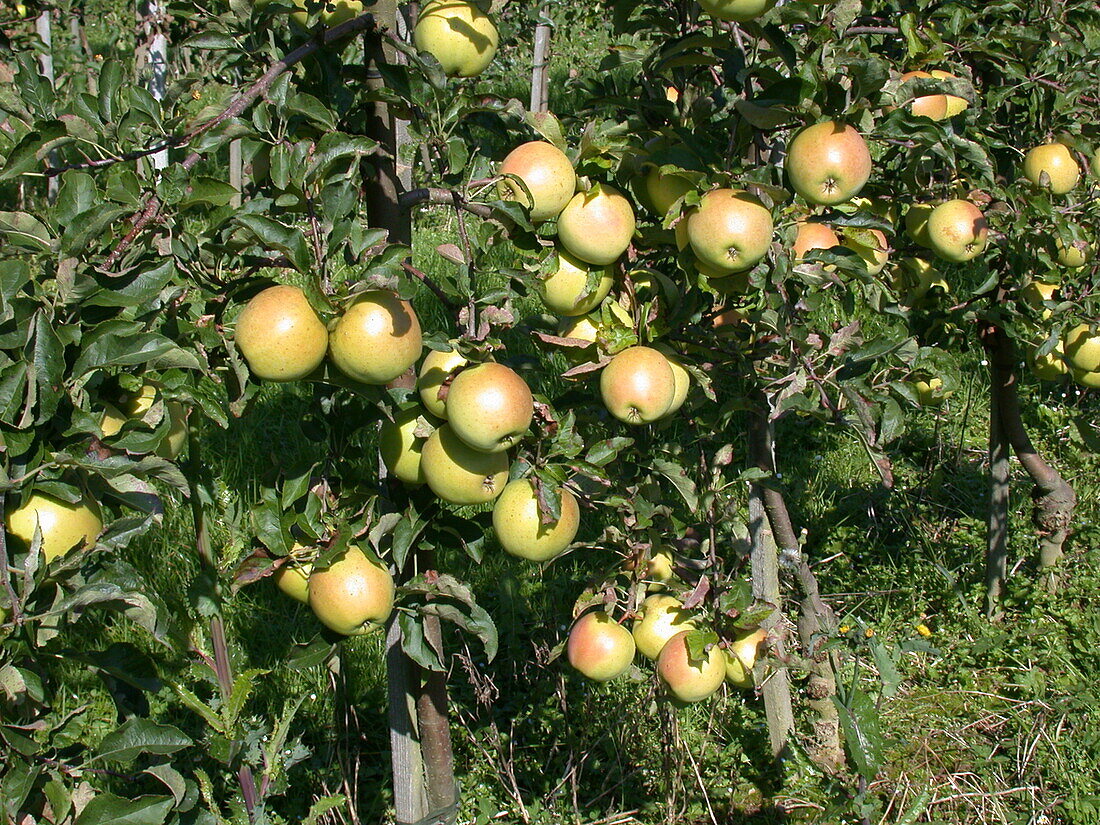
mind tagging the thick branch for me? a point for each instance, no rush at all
(152, 205)
(448, 197)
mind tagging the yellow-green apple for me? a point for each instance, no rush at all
(740, 10)
(659, 567)
(547, 174)
(139, 404)
(438, 366)
(929, 391)
(353, 595)
(729, 231)
(564, 290)
(333, 12)
(1051, 166)
(599, 647)
(916, 222)
(957, 231)
(400, 448)
(280, 336)
(1037, 293)
(519, 527)
(663, 190)
(871, 245)
(597, 225)
(1082, 348)
(828, 163)
(930, 106)
(377, 338)
(64, 525)
(458, 473)
(680, 375)
(915, 278)
(955, 105)
(688, 679)
(638, 385)
(458, 34)
(293, 579)
(741, 657)
(1090, 380)
(1075, 255)
(662, 617)
(489, 406)
(1049, 367)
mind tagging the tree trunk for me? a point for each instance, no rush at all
(540, 72)
(45, 65)
(1054, 499)
(764, 560)
(435, 735)
(996, 548)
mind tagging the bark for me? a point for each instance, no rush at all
(435, 735)
(996, 549)
(1053, 498)
(151, 14)
(764, 560)
(816, 620)
(409, 799)
(236, 171)
(540, 73)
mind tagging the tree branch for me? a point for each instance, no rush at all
(443, 197)
(151, 209)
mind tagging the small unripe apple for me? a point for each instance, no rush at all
(353, 595)
(828, 163)
(638, 385)
(490, 407)
(519, 527)
(400, 448)
(929, 391)
(280, 336)
(597, 226)
(1094, 164)
(63, 525)
(458, 34)
(662, 617)
(1082, 348)
(599, 647)
(377, 338)
(688, 679)
(458, 473)
(437, 367)
(1056, 163)
(957, 231)
(545, 171)
(563, 290)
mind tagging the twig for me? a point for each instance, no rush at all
(170, 142)
(442, 197)
(237, 107)
(430, 284)
(872, 30)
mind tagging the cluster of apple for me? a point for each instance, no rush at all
(602, 649)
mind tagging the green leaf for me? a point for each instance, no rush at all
(684, 485)
(138, 736)
(288, 240)
(108, 809)
(26, 231)
(321, 807)
(862, 732)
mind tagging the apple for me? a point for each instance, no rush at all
(1049, 367)
(930, 106)
(64, 525)
(924, 274)
(547, 174)
(1055, 161)
(916, 222)
(828, 163)
(690, 680)
(280, 336)
(955, 105)
(812, 235)
(1037, 293)
(333, 12)
(597, 226)
(458, 34)
(680, 376)
(662, 617)
(563, 290)
(437, 367)
(874, 250)
(1090, 380)
(1082, 348)
(173, 443)
(293, 579)
(490, 407)
(377, 338)
(741, 657)
(659, 567)
(519, 526)
(957, 231)
(638, 385)
(664, 190)
(740, 10)
(400, 448)
(458, 473)
(1074, 256)
(929, 391)
(599, 647)
(729, 231)
(353, 595)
